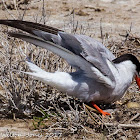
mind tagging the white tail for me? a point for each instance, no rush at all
(61, 80)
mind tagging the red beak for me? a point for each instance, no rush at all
(137, 81)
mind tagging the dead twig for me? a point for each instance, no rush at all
(101, 29)
(123, 125)
(90, 114)
(134, 117)
(8, 10)
(116, 132)
(92, 109)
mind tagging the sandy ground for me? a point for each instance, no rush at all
(115, 16)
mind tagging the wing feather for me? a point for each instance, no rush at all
(79, 50)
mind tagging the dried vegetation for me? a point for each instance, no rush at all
(23, 97)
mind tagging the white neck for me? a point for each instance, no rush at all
(123, 73)
(126, 69)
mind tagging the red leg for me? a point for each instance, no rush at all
(99, 109)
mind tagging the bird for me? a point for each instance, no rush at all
(100, 77)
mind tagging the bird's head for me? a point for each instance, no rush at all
(135, 63)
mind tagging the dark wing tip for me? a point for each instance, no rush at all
(28, 26)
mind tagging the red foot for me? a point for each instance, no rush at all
(100, 110)
(105, 113)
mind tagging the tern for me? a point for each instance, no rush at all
(99, 76)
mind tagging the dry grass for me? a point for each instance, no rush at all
(23, 97)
